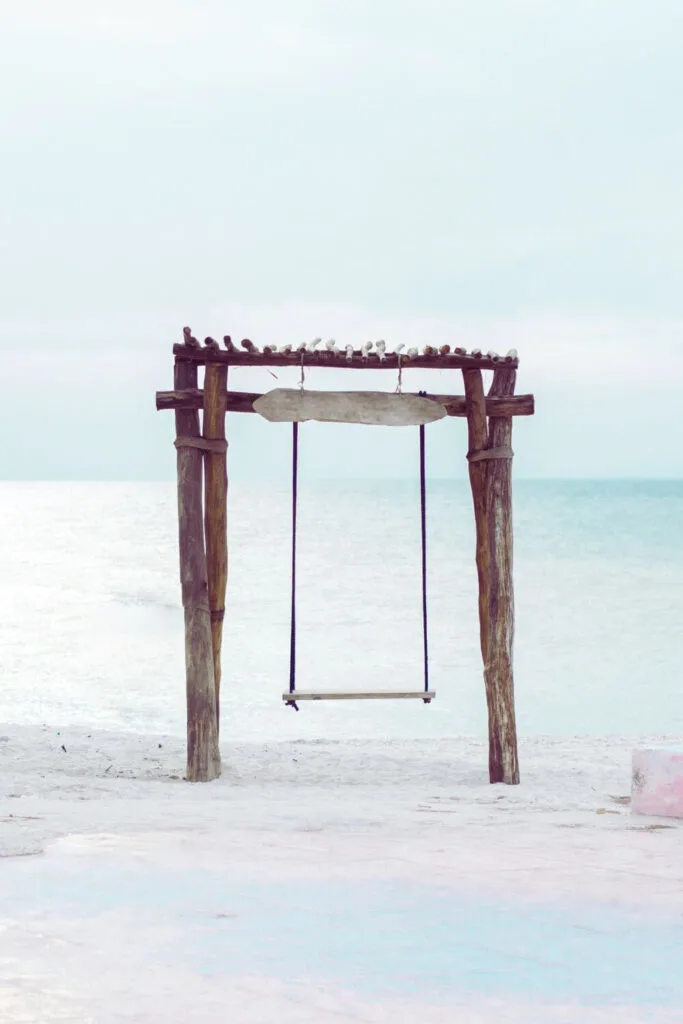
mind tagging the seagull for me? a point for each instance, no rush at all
(331, 345)
(491, 354)
(476, 352)
(382, 350)
(365, 349)
(399, 349)
(312, 344)
(227, 341)
(349, 352)
(411, 353)
(512, 354)
(286, 349)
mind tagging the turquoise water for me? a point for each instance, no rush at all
(92, 633)
(375, 938)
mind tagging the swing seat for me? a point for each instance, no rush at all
(426, 695)
(373, 408)
(293, 695)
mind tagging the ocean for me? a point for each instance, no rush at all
(91, 630)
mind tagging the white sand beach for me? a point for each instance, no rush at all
(331, 882)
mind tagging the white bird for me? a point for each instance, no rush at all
(411, 353)
(312, 344)
(365, 349)
(381, 349)
(331, 345)
(349, 352)
(512, 354)
(301, 347)
(286, 349)
(476, 352)
(491, 354)
(399, 349)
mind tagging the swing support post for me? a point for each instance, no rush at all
(490, 472)
(216, 511)
(203, 757)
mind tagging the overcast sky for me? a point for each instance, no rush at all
(498, 173)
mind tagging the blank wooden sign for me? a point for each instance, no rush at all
(374, 408)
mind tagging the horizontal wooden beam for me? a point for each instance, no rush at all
(431, 358)
(243, 401)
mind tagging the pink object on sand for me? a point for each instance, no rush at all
(657, 782)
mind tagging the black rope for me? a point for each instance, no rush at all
(292, 634)
(423, 527)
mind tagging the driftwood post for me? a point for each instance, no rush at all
(502, 628)
(490, 469)
(203, 757)
(215, 511)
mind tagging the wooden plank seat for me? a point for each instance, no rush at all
(425, 695)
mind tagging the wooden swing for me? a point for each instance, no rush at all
(202, 504)
(366, 407)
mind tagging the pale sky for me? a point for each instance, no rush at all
(493, 173)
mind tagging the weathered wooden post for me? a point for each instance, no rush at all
(215, 510)
(490, 470)
(203, 756)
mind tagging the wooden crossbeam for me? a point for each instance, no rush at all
(431, 358)
(243, 401)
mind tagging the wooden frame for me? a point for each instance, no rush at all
(203, 526)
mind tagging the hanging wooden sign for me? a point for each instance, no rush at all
(374, 408)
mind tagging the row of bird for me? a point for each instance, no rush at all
(380, 349)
